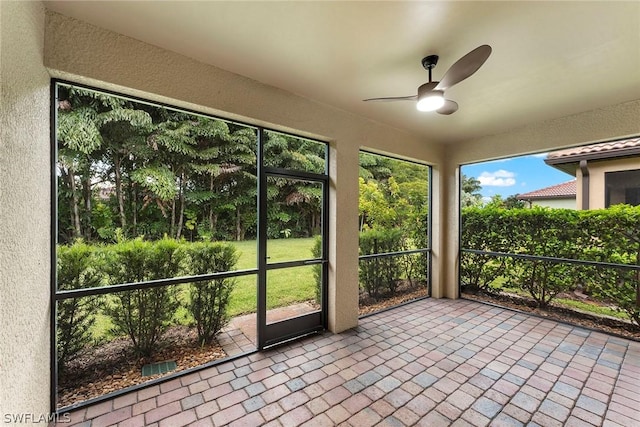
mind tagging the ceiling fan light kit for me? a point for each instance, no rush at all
(430, 95)
(429, 98)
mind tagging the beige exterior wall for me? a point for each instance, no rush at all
(597, 170)
(24, 213)
(556, 203)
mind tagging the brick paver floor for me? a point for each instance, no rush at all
(240, 334)
(428, 363)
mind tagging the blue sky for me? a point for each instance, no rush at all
(516, 175)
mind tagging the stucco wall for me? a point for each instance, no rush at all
(604, 124)
(84, 53)
(556, 203)
(597, 179)
(24, 212)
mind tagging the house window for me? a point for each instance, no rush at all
(622, 188)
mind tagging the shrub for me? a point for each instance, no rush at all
(621, 287)
(416, 266)
(610, 235)
(316, 252)
(614, 236)
(483, 230)
(538, 231)
(209, 299)
(380, 276)
(542, 232)
(76, 268)
(543, 280)
(143, 314)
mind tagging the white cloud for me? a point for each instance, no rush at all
(540, 155)
(499, 178)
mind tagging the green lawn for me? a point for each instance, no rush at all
(285, 286)
(592, 308)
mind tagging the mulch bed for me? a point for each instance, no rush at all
(110, 367)
(609, 325)
(369, 305)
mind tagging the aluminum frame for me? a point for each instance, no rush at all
(260, 271)
(428, 250)
(283, 331)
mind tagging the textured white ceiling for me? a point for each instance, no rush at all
(550, 59)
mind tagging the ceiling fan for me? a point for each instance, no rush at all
(430, 95)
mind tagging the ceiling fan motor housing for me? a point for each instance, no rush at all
(424, 89)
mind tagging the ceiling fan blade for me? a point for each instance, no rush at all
(394, 98)
(465, 67)
(449, 107)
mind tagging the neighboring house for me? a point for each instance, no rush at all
(606, 173)
(105, 191)
(561, 196)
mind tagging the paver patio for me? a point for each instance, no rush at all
(429, 363)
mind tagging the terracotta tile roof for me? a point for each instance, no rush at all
(565, 190)
(594, 151)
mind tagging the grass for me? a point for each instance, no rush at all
(284, 286)
(501, 284)
(592, 308)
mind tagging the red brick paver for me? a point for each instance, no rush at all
(431, 363)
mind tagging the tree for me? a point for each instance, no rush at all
(294, 205)
(96, 134)
(511, 202)
(187, 145)
(393, 194)
(470, 195)
(373, 207)
(374, 167)
(151, 171)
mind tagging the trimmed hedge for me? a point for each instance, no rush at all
(380, 276)
(417, 265)
(209, 299)
(142, 314)
(609, 235)
(316, 252)
(77, 268)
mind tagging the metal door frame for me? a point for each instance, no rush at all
(282, 331)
